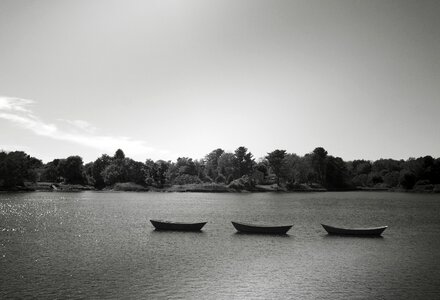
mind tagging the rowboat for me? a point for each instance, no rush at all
(372, 231)
(252, 228)
(177, 226)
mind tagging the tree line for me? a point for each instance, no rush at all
(291, 171)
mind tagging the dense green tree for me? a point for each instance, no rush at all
(387, 165)
(89, 180)
(124, 170)
(436, 172)
(336, 173)
(119, 154)
(291, 170)
(428, 163)
(407, 179)
(13, 169)
(71, 169)
(211, 163)
(262, 167)
(50, 171)
(276, 163)
(243, 162)
(261, 171)
(186, 165)
(359, 170)
(375, 178)
(226, 165)
(183, 166)
(201, 170)
(160, 169)
(220, 179)
(318, 159)
(391, 179)
(136, 171)
(98, 167)
(111, 174)
(360, 180)
(16, 167)
(361, 166)
(149, 172)
(303, 170)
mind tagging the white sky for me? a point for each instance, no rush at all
(162, 79)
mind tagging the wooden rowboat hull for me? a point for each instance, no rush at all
(177, 226)
(250, 228)
(373, 231)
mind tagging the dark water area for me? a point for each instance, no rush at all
(101, 245)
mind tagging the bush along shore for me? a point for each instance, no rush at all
(220, 171)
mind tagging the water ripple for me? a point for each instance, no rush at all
(101, 245)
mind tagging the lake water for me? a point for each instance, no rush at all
(101, 245)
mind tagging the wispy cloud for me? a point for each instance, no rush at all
(81, 125)
(15, 104)
(18, 111)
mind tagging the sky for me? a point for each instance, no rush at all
(171, 78)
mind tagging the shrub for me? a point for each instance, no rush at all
(129, 186)
(423, 182)
(292, 185)
(407, 179)
(149, 181)
(207, 179)
(220, 179)
(360, 180)
(243, 183)
(391, 179)
(187, 179)
(375, 179)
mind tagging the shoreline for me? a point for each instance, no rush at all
(208, 188)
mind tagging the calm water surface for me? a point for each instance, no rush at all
(101, 245)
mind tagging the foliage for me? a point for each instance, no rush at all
(336, 174)
(186, 165)
(17, 167)
(276, 162)
(361, 166)
(318, 159)
(71, 169)
(129, 187)
(119, 154)
(159, 172)
(407, 179)
(243, 183)
(50, 171)
(243, 162)
(211, 162)
(262, 167)
(376, 179)
(97, 168)
(187, 179)
(391, 179)
(226, 164)
(360, 180)
(238, 170)
(220, 179)
(112, 174)
(136, 171)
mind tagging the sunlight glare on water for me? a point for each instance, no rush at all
(101, 245)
